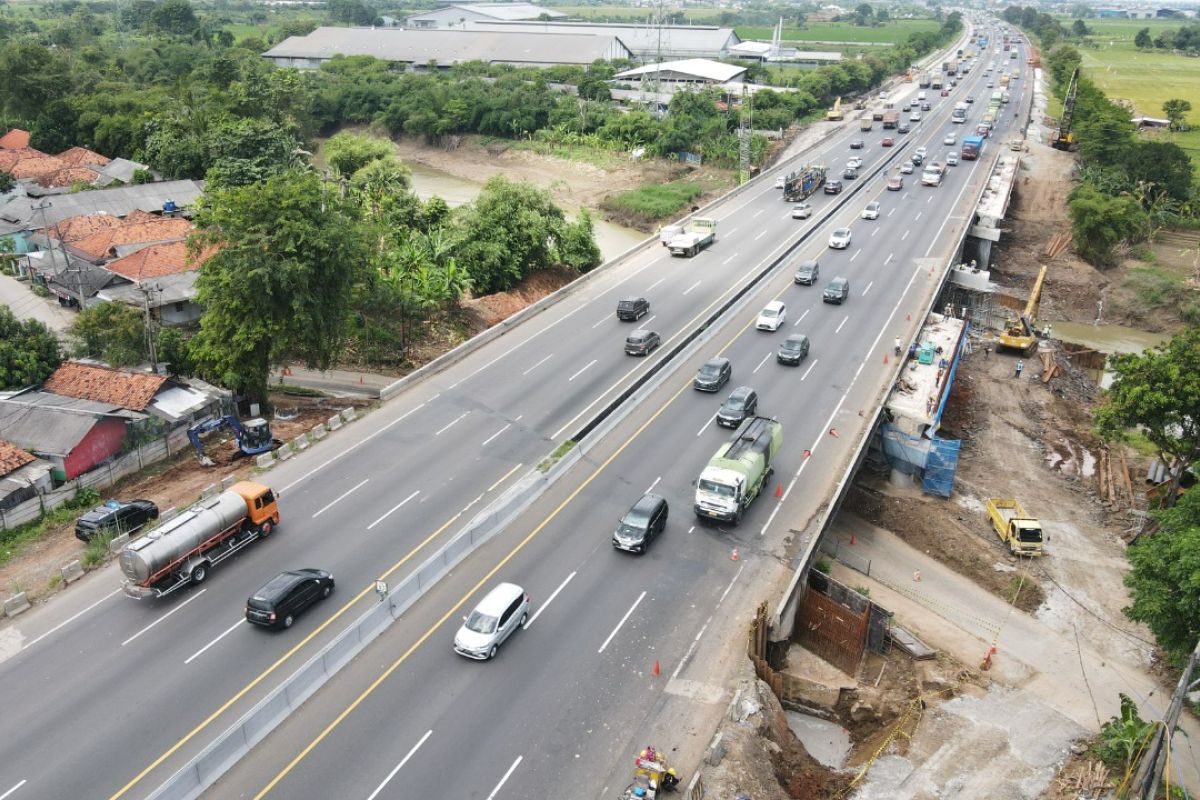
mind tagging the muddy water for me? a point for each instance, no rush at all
(429, 182)
(1107, 339)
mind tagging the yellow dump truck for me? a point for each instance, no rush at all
(1020, 532)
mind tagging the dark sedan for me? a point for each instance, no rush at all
(115, 518)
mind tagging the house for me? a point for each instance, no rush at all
(44, 174)
(647, 42)
(22, 475)
(444, 48)
(22, 215)
(160, 278)
(691, 72)
(457, 15)
(84, 414)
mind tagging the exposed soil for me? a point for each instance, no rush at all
(572, 183)
(175, 482)
(1132, 291)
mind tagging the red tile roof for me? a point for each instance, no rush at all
(35, 167)
(156, 229)
(10, 158)
(82, 157)
(13, 458)
(73, 228)
(14, 138)
(132, 390)
(68, 176)
(156, 260)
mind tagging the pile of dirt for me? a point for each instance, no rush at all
(492, 309)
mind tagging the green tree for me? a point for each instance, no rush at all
(1123, 737)
(577, 247)
(1079, 29)
(246, 151)
(1099, 223)
(278, 286)
(7, 182)
(347, 153)
(112, 332)
(28, 351)
(1158, 393)
(174, 16)
(1163, 165)
(171, 347)
(1176, 111)
(1142, 40)
(351, 12)
(1164, 577)
(31, 76)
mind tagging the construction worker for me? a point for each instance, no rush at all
(1020, 366)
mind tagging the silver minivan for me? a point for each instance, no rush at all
(495, 618)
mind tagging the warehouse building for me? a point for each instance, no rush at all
(458, 15)
(689, 72)
(648, 43)
(445, 48)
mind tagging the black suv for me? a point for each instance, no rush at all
(641, 524)
(793, 350)
(281, 599)
(833, 187)
(631, 309)
(807, 273)
(641, 342)
(713, 375)
(741, 404)
(115, 518)
(837, 291)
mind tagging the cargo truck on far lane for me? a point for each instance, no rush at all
(696, 235)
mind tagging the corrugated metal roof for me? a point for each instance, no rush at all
(119, 201)
(445, 46)
(51, 424)
(696, 68)
(641, 39)
(511, 11)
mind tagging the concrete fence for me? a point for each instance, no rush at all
(101, 477)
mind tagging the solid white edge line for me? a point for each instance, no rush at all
(622, 622)
(450, 425)
(13, 789)
(504, 780)
(69, 620)
(339, 499)
(164, 616)
(228, 631)
(529, 623)
(394, 508)
(396, 769)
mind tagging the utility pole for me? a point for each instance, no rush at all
(1154, 759)
(146, 290)
(745, 132)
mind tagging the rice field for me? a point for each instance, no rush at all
(893, 32)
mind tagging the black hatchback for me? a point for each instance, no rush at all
(115, 518)
(284, 597)
(741, 403)
(713, 375)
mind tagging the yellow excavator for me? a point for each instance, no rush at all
(835, 114)
(1021, 334)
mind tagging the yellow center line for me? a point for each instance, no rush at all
(490, 574)
(284, 658)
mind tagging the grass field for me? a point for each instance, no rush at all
(1146, 79)
(894, 32)
(1124, 29)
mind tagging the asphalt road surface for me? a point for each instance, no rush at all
(105, 696)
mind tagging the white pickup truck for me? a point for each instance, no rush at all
(696, 235)
(932, 174)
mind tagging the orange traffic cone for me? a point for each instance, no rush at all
(657, 669)
(807, 453)
(885, 358)
(733, 556)
(853, 539)
(779, 489)
(833, 432)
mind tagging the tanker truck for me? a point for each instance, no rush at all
(738, 471)
(182, 549)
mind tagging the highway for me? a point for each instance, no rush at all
(137, 687)
(571, 699)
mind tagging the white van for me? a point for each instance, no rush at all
(921, 96)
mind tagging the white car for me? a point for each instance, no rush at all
(801, 211)
(950, 140)
(922, 152)
(780, 179)
(952, 158)
(914, 117)
(871, 211)
(772, 316)
(840, 238)
(855, 162)
(907, 168)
